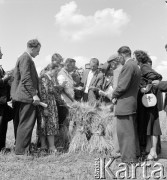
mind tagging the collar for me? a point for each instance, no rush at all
(94, 72)
(127, 60)
(67, 73)
(29, 55)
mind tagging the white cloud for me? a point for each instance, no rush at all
(159, 66)
(76, 26)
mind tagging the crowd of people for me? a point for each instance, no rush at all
(120, 82)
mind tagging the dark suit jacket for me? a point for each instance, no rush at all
(127, 89)
(96, 81)
(4, 89)
(106, 83)
(25, 83)
(163, 87)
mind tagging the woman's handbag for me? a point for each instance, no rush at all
(149, 100)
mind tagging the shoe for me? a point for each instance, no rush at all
(151, 157)
(43, 152)
(5, 150)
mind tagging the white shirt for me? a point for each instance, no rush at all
(63, 76)
(90, 76)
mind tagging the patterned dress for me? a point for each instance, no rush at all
(47, 91)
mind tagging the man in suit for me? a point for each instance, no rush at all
(165, 99)
(126, 105)
(92, 80)
(25, 95)
(4, 97)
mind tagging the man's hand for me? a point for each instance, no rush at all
(36, 100)
(155, 82)
(114, 100)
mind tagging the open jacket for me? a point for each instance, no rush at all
(97, 80)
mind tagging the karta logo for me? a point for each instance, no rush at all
(128, 171)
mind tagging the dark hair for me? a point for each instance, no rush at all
(50, 67)
(57, 56)
(166, 46)
(124, 50)
(94, 60)
(33, 43)
(108, 68)
(142, 56)
(69, 61)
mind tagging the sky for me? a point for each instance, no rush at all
(82, 29)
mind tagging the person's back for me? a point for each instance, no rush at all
(25, 95)
(116, 73)
(127, 89)
(22, 89)
(125, 96)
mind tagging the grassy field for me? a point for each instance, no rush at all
(66, 166)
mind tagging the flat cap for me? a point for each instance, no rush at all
(113, 57)
(105, 66)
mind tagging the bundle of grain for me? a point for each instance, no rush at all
(87, 128)
(98, 143)
(79, 114)
(79, 141)
(107, 120)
